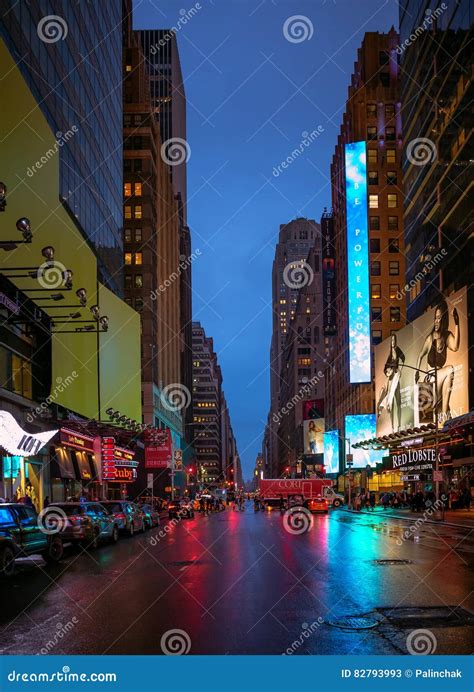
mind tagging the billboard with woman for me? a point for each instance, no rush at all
(421, 371)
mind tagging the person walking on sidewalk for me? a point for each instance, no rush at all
(372, 502)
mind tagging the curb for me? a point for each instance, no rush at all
(397, 516)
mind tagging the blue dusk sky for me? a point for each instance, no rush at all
(253, 95)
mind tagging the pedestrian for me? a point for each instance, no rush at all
(372, 501)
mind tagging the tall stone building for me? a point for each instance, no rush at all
(372, 116)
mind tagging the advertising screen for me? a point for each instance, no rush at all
(358, 428)
(358, 263)
(331, 451)
(433, 347)
(313, 436)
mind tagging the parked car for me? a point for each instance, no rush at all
(87, 523)
(21, 534)
(151, 516)
(127, 514)
(180, 509)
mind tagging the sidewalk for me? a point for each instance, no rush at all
(459, 518)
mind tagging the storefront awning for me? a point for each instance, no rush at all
(63, 462)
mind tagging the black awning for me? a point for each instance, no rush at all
(61, 463)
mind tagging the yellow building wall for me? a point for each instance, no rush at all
(25, 137)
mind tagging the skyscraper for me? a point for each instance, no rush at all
(79, 85)
(373, 119)
(289, 267)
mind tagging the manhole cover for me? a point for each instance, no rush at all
(354, 622)
(392, 562)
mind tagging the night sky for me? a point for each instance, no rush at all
(252, 97)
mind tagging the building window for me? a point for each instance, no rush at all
(304, 361)
(137, 212)
(373, 201)
(138, 235)
(138, 189)
(371, 110)
(376, 314)
(374, 245)
(128, 235)
(373, 177)
(137, 165)
(392, 201)
(383, 58)
(389, 110)
(393, 223)
(138, 258)
(316, 335)
(371, 133)
(127, 212)
(372, 155)
(138, 281)
(391, 156)
(391, 177)
(139, 304)
(395, 315)
(376, 336)
(384, 79)
(127, 189)
(375, 268)
(375, 291)
(127, 258)
(128, 281)
(393, 291)
(374, 223)
(394, 245)
(390, 134)
(303, 235)
(394, 268)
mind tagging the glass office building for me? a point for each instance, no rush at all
(70, 54)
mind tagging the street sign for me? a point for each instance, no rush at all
(349, 457)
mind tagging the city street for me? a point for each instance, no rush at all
(240, 583)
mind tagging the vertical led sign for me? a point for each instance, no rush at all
(358, 263)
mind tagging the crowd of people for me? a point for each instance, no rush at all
(416, 502)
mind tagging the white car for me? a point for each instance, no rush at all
(334, 499)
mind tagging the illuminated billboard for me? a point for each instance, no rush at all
(331, 451)
(313, 436)
(358, 428)
(357, 263)
(433, 347)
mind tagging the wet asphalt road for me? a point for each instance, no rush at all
(239, 583)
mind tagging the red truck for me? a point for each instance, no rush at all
(309, 488)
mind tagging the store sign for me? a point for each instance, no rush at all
(17, 441)
(124, 457)
(10, 304)
(159, 454)
(416, 459)
(69, 438)
(329, 275)
(125, 474)
(107, 455)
